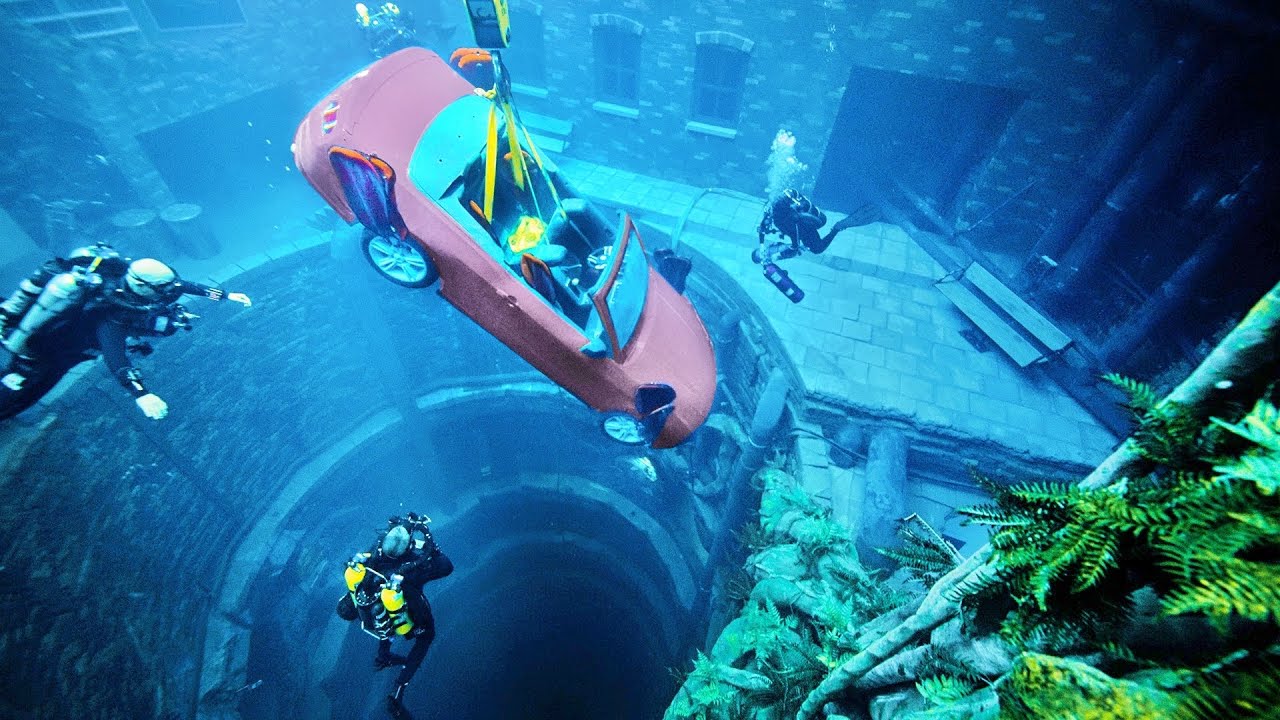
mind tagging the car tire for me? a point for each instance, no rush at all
(621, 427)
(400, 260)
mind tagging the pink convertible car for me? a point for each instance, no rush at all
(450, 188)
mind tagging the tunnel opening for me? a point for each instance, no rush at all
(571, 597)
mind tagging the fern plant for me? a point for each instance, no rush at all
(924, 551)
(705, 693)
(1202, 529)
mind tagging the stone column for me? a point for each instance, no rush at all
(1238, 210)
(1121, 146)
(886, 485)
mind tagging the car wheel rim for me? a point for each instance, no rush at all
(397, 259)
(624, 429)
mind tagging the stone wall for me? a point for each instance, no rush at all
(1075, 62)
(110, 90)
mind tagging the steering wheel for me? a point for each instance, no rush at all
(599, 258)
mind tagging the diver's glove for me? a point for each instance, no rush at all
(152, 406)
(240, 298)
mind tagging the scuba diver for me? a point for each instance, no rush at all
(387, 30)
(796, 221)
(385, 595)
(93, 302)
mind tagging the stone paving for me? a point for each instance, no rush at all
(872, 332)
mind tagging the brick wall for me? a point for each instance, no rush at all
(1076, 63)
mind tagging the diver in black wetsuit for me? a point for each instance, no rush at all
(385, 594)
(72, 309)
(796, 220)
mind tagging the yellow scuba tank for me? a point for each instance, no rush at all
(393, 600)
(354, 575)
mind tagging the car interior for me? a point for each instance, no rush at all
(574, 246)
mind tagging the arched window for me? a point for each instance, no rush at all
(616, 47)
(719, 77)
(527, 56)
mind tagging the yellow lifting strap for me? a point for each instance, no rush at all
(537, 159)
(491, 163)
(513, 140)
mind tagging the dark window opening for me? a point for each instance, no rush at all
(617, 56)
(719, 75)
(898, 131)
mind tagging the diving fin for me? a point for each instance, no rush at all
(864, 215)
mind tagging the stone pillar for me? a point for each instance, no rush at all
(1238, 209)
(143, 177)
(1122, 144)
(1149, 172)
(886, 485)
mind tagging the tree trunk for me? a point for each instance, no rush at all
(936, 609)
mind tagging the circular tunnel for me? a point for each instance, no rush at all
(571, 596)
(575, 556)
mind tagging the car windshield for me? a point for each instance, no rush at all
(625, 298)
(621, 289)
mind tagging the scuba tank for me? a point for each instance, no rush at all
(62, 292)
(36, 306)
(781, 279)
(398, 615)
(382, 612)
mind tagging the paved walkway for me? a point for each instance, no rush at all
(872, 331)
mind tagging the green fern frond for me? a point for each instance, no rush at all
(921, 561)
(1248, 690)
(1044, 493)
(1266, 525)
(1261, 426)
(1248, 589)
(994, 516)
(1101, 559)
(1263, 469)
(1142, 397)
(944, 689)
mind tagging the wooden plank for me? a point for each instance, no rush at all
(1027, 316)
(547, 125)
(548, 144)
(1017, 347)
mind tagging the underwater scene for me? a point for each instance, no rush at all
(639, 360)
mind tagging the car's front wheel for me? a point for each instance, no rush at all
(400, 260)
(623, 428)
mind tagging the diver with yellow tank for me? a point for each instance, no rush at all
(385, 595)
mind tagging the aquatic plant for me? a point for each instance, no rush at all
(944, 689)
(1203, 529)
(1186, 509)
(925, 553)
(703, 691)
